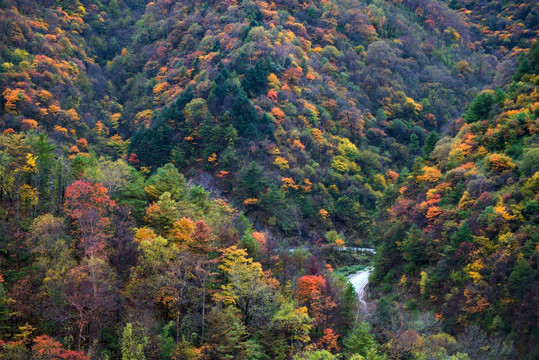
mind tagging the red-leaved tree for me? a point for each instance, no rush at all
(46, 348)
(88, 205)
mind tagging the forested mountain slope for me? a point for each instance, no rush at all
(325, 97)
(460, 230)
(405, 125)
(321, 101)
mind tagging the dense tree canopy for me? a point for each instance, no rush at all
(189, 179)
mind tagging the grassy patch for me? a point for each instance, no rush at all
(349, 270)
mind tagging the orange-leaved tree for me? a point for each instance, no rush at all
(312, 292)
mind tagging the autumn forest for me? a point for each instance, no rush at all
(186, 180)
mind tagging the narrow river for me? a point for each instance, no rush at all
(360, 281)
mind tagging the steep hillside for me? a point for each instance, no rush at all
(322, 102)
(505, 26)
(52, 76)
(405, 125)
(318, 100)
(460, 230)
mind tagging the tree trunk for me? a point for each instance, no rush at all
(203, 313)
(178, 326)
(81, 328)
